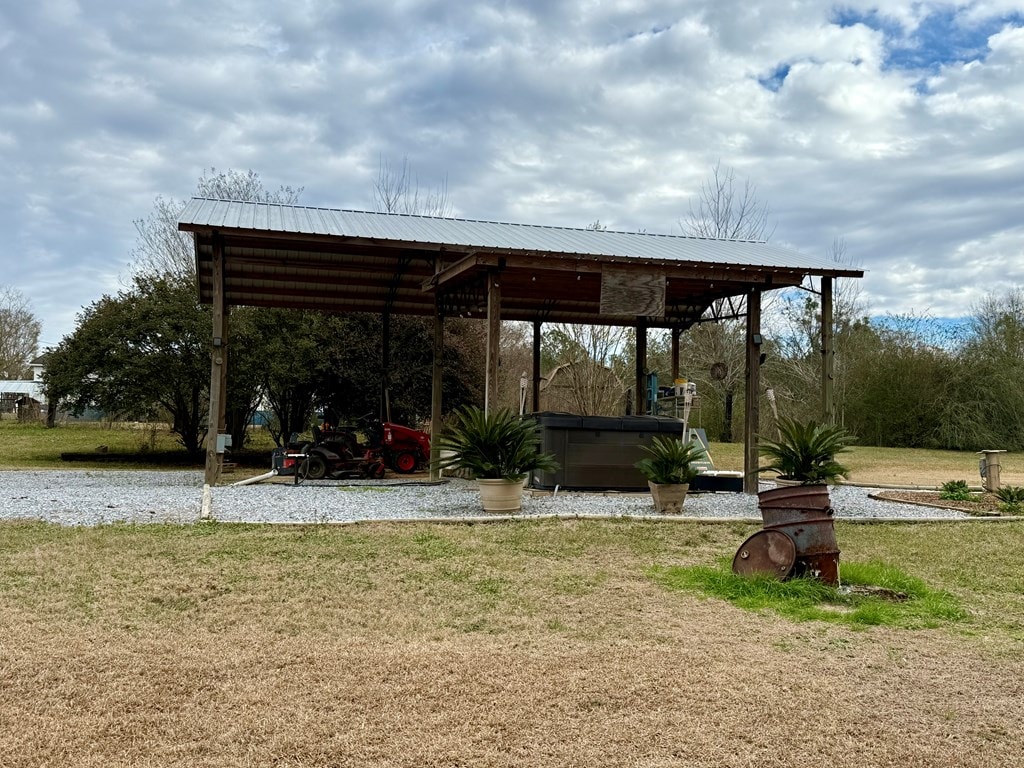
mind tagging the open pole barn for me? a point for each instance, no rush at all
(270, 255)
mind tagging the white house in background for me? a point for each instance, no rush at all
(24, 398)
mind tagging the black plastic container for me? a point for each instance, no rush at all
(598, 452)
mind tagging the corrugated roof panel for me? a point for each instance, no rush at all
(494, 235)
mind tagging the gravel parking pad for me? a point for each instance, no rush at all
(98, 497)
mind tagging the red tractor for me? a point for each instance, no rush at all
(338, 453)
(404, 449)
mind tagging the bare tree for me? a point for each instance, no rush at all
(161, 250)
(586, 368)
(797, 334)
(726, 212)
(397, 190)
(19, 334)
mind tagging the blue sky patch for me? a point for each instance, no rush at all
(942, 37)
(775, 80)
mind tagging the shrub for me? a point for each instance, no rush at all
(1012, 499)
(955, 490)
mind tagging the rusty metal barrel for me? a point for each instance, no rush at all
(804, 514)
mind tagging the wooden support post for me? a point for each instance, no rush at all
(535, 400)
(493, 341)
(436, 382)
(641, 366)
(222, 415)
(751, 421)
(385, 366)
(828, 354)
(215, 460)
(675, 354)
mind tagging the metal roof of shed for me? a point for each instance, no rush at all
(343, 260)
(493, 235)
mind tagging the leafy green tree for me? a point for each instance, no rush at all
(294, 353)
(898, 395)
(246, 367)
(352, 380)
(161, 251)
(140, 354)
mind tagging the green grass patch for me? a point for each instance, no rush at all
(109, 445)
(872, 594)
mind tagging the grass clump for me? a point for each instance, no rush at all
(872, 594)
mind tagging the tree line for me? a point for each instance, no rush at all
(144, 353)
(899, 381)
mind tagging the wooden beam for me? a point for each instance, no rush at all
(215, 460)
(675, 354)
(451, 272)
(751, 421)
(535, 397)
(641, 366)
(672, 270)
(493, 341)
(222, 415)
(436, 387)
(828, 354)
(385, 365)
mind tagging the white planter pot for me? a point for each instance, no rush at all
(668, 498)
(501, 495)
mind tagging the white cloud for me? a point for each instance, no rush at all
(556, 113)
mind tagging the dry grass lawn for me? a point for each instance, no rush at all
(898, 466)
(531, 644)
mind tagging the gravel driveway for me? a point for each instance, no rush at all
(83, 497)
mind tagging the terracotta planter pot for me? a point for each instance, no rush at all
(668, 498)
(501, 495)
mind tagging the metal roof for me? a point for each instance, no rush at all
(356, 261)
(495, 236)
(31, 388)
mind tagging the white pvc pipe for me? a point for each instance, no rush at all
(257, 479)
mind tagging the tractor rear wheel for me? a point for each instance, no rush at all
(404, 462)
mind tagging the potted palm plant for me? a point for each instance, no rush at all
(498, 449)
(669, 471)
(805, 453)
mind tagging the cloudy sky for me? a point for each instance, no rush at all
(896, 126)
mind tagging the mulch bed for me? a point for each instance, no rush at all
(982, 504)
